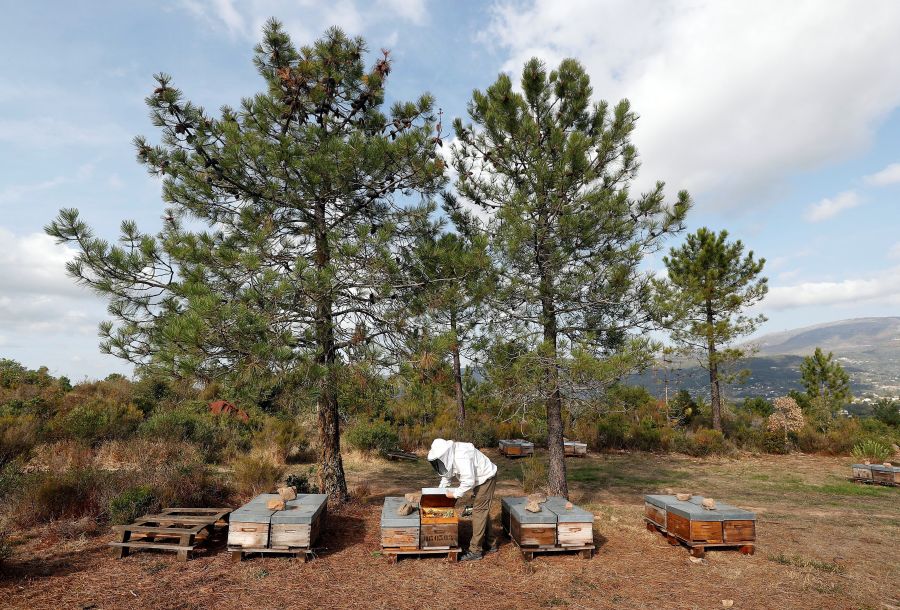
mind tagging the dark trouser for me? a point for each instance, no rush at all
(482, 532)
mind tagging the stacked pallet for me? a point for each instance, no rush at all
(433, 527)
(255, 528)
(881, 474)
(575, 449)
(174, 529)
(689, 522)
(516, 447)
(559, 525)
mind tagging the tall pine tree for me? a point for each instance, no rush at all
(553, 170)
(826, 383)
(301, 258)
(709, 286)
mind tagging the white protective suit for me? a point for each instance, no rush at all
(463, 461)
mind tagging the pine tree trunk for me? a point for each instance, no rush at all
(715, 396)
(556, 474)
(457, 374)
(331, 475)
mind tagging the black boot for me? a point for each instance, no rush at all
(470, 556)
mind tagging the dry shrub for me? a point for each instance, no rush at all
(255, 474)
(283, 440)
(62, 495)
(18, 435)
(144, 454)
(60, 456)
(534, 474)
(191, 483)
(361, 491)
(69, 529)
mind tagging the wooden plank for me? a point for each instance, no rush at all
(248, 534)
(153, 529)
(400, 537)
(439, 536)
(532, 534)
(678, 525)
(740, 531)
(574, 534)
(134, 544)
(206, 511)
(290, 535)
(655, 514)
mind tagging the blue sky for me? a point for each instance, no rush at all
(782, 119)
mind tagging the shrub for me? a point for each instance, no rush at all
(282, 439)
(612, 432)
(303, 482)
(18, 435)
(375, 435)
(871, 450)
(775, 442)
(647, 436)
(534, 474)
(702, 442)
(255, 474)
(810, 440)
(65, 495)
(5, 548)
(182, 424)
(480, 431)
(188, 484)
(131, 504)
(888, 412)
(97, 421)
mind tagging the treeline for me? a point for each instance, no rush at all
(322, 254)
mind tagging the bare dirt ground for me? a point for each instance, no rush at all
(823, 542)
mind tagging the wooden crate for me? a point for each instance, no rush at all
(439, 536)
(300, 523)
(439, 521)
(689, 523)
(514, 448)
(885, 475)
(575, 449)
(399, 531)
(555, 528)
(174, 529)
(862, 472)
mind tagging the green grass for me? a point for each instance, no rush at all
(805, 563)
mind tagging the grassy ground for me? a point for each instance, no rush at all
(823, 542)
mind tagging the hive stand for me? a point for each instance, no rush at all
(183, 524)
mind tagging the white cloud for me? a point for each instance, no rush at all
(880, 287)
(889, 175)
(733, 96)
(832, 206)
(894, 251)
(48, 132)
(17, 192)
(245, 18)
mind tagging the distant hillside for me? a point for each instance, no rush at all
(868, 348)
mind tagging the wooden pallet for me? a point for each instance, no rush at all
(586, 551)
(393, 554)
(698, 549)
(239, 552)
(158, 532)
(871, 482)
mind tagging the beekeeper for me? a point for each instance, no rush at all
(452, 459)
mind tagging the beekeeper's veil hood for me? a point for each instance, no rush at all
(441, 456)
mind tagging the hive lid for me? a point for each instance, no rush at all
(517, 441)
(863, 466)
(436, 497)
(303, 509)
(516, 506)
(251, 515)
(659, 500)
(390, 518)
(557, 504)
(723, 512)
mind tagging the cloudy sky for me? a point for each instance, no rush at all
(781, 118)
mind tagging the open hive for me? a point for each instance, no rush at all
(434, 525)
(691, 523)
(516, 447)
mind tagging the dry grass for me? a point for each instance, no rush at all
(823, 543)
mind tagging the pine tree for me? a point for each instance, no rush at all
(702, 302)
(456, 278)
(553, 170)
(300, 260)
(826, 383)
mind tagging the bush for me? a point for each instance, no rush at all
(5, 548)
(703, 442)
(255, 474)
(810, 440)
(376, 435)
(774, 442)
(480, 431)
(871, 450)
(303, 483)
(188, 484)
(612, 432)
(131, 504)
(283, 439)
(97, 421)
(66, 495)
(183, 424)
(18, 436)
(645, 436)
(534, 474)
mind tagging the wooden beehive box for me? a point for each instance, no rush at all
(398, 531)
(886, 475)
(527, 529)
(862, 471)
(655, 509)
(300, 523)
(575, 449)
(249, 526)
(516, 447)
(725, 525)
(574, 526)
(439, 521)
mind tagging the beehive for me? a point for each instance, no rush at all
(516, 447)
(862, 471)
(655, 509)
(438, 519)
(575, 449)
(398, 531)
(690, 522)
(574, 526)
(886, 475)
(249, 526)
(526, 528)
(299, 524)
